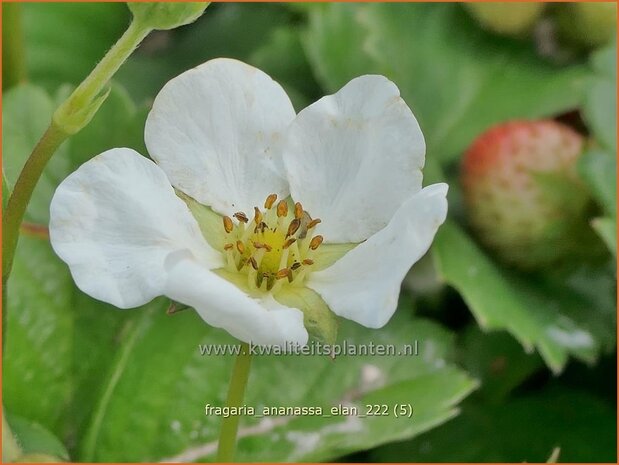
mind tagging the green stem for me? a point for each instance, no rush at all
(13, 57)
(236, 392)
(70, 117)
(94, 84)
(22, 192)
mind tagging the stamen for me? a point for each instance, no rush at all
(283, 273)
(257, 216)
(248, 232)
(298, 210)
(293, 227)
(295, 266)
(282, 208)
(315, 242)
(295, 249)
(242, 217)
(252, 274)
(301, 275)
(274, 248)
(260, 245)
(283, 261)
(313, 223)
(288, 243)
(230, 259)
(261, 280)
(228, 225)
(268, 203)
(240, 247)
(259, 255)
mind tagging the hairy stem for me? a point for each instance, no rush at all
(236, 393)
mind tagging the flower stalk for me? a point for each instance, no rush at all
(236, 393)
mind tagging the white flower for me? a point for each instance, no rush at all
(225, 135)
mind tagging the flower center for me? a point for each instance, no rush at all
(273, 248)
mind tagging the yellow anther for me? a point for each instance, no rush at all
(268, 203)
(240, 247)
(261, 227)
(242, 217)
(313, 223)
(315, 242)
(260, 245)
(271, 251)
(228, 225)
(298, 210)
(257, 216)
(293, 227)
(283, 273)
(282, 208)
(289, 242)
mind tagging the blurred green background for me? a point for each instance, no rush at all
(512, 364)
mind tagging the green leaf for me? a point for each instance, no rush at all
(59, 343)
(294, 72)
(27, 112)
(525, 429)
(153, 406)
(222, 31)
(65, 41)
(51, 325)
(458, 79)
(336, 44)
(598, 169)
(497, 360)
(607, 229)
(600, 104)
(555, 319)
(10, 447)
(34, 439)
(36, 364)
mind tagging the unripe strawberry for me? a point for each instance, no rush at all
(522, 192)
(506, 18)
(590, 24)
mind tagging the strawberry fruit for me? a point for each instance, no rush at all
(522, 192)
(512, 19)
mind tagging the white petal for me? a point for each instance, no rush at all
(115, 220)
(223, 305)
(364, 285)
(354, 157)
(214, 131)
